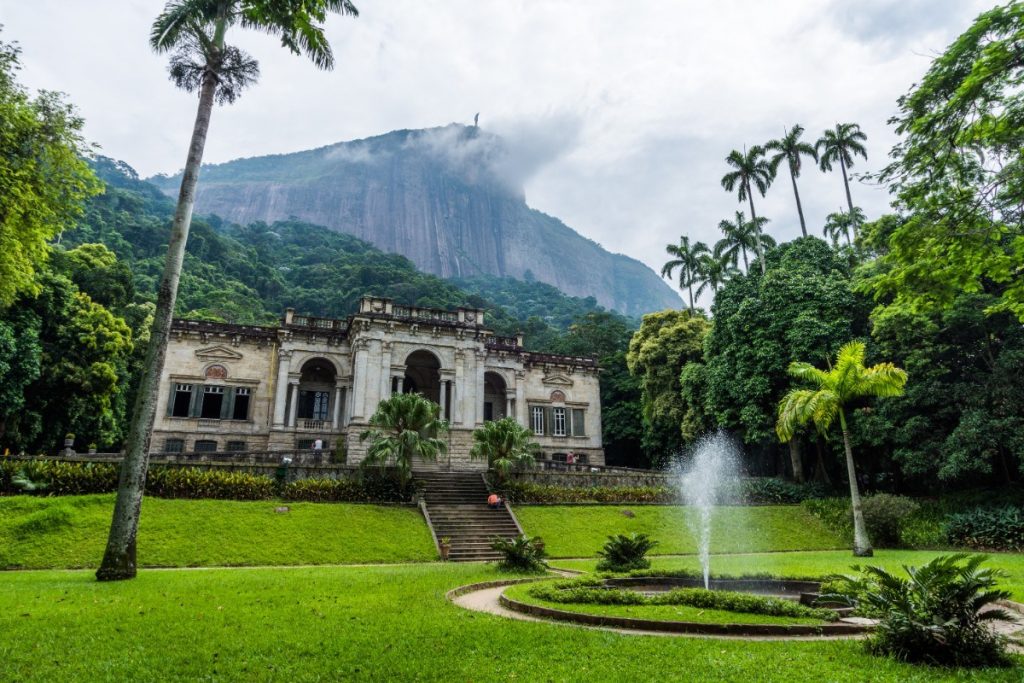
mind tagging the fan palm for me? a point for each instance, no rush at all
(505, 444)
(714, 272)
(194, 32)
(840, 145)
(687, 259)
(791, 148)
(751, 170)
(843, 223)
(404, 426)
(741, 235)
(835, 390)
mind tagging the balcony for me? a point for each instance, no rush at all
(313, 425)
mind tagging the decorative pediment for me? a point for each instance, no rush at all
(557, 380)
(218, 353)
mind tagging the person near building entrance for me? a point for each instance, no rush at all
(494, 501)
(318, 445)
(570, 458)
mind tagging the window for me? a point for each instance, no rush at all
(174, 445)
(559, 422)
(578, 425)
(488, 411)
(181, 400)
(304, 444)
(206, 446)
(314, 405)
(241, 409)
(537, 420)
(213, 402)
(235, 446)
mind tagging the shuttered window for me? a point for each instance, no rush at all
(578, 424)
(559, 422)
(537, 420)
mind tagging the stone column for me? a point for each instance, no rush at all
(520, 406)
(478, 394)
(444, 399)
(336, 408)
(458, 387)
(359, 380)
(385, 372)
(293, 388)
(509, 398)
(284, 360)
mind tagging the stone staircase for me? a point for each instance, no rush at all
(456, 503)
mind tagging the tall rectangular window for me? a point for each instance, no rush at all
(537, 420)
(314, 405)
(182, 400)
(241, 408)
(578, 424)
(559, 420)
(213, 401)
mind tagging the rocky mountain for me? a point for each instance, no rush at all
(450, 199)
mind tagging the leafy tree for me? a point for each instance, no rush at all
(957, 176)
(841, 145)
(194, 32)
(405, 426)
(790, 148)
(751, 170)
(741, 235)
(714, 271)
(44, 179)
(505, 444)
(687, 258)
(658, 351)
(20, 361)
(835, 391)
(843, 223)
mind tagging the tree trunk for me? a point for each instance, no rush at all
(119, 558)
(799, 207)
(758, 247)
(846, 184)
(861, 543)
(820, 473)
(690, 286)
(796, 460)
(746, 266)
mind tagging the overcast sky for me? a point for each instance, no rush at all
(626, 109)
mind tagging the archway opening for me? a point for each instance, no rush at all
(495, 401)
(316, 384)
(423, 375)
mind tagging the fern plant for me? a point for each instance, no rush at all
(625, 553)
(521, 554)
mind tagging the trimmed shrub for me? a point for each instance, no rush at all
(191, 482)
(56, 478)
(625, 553)
(999, 528)
(755, 491)
(370, 488)
(522, 554)
(885, 515)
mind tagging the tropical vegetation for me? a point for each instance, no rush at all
(403, 428)
(505, 444)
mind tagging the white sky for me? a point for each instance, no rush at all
(629, 109)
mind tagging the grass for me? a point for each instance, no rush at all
(581, 530)
(821, 563)
(71, 532)
(659, 612)
(365, 623)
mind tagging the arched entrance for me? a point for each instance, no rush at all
(316, 384)
(423, 375)
(495, 401)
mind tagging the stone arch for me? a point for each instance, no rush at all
(495, 396)
(317, 379)
(423, 375)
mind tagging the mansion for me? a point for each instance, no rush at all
(251, 388)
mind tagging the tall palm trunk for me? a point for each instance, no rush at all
(689, 285)
(119, 558)
(746, 266)
(861, 543)
(758, 247)
(799, 207)
(796, 460)
(846, 184)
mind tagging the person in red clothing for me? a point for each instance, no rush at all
(494, 500)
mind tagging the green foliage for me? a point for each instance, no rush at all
(885, 516)
(624, 553)
(369, 488)
(505, 444)
(57, 478)
(522, 554)
(405, 426)
(191, 482)
(987, 528)
(44, 179)
(940, 615)
(891, 521)
(47, 520)
(749, 491)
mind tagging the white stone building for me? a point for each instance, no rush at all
(248, 388)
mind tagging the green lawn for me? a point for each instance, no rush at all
(659, 612)
(364, 623)
(71, 531)
(820, 563)
(581, 530)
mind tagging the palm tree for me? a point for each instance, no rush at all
(740, 236)
(714, 272)
(751, 170)
(403, 427)
(194, 31)
(840, 145)
(843, 384)
(843, 223)
(505, 444)
(687, 259)
(790, 148)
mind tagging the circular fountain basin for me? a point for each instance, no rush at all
(774, 588)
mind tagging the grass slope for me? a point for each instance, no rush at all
(365, 623)
(71, 531)
(581, 530)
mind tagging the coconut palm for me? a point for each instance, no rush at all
(687, 259)
(741, 235)
(194, 33)
(404, 426)
(847, 381)
(840, 145)
(751, 170)
(505, 444)
(714, 272)
(791, 148)
(843, 223)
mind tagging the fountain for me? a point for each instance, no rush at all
(701, 479)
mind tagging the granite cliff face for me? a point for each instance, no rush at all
(447, 198)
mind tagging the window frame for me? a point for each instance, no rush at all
(537, 420)
(558, 421)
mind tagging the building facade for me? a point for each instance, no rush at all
(250, 388)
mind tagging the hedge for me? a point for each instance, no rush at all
(1000, 528)
(756, 491)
